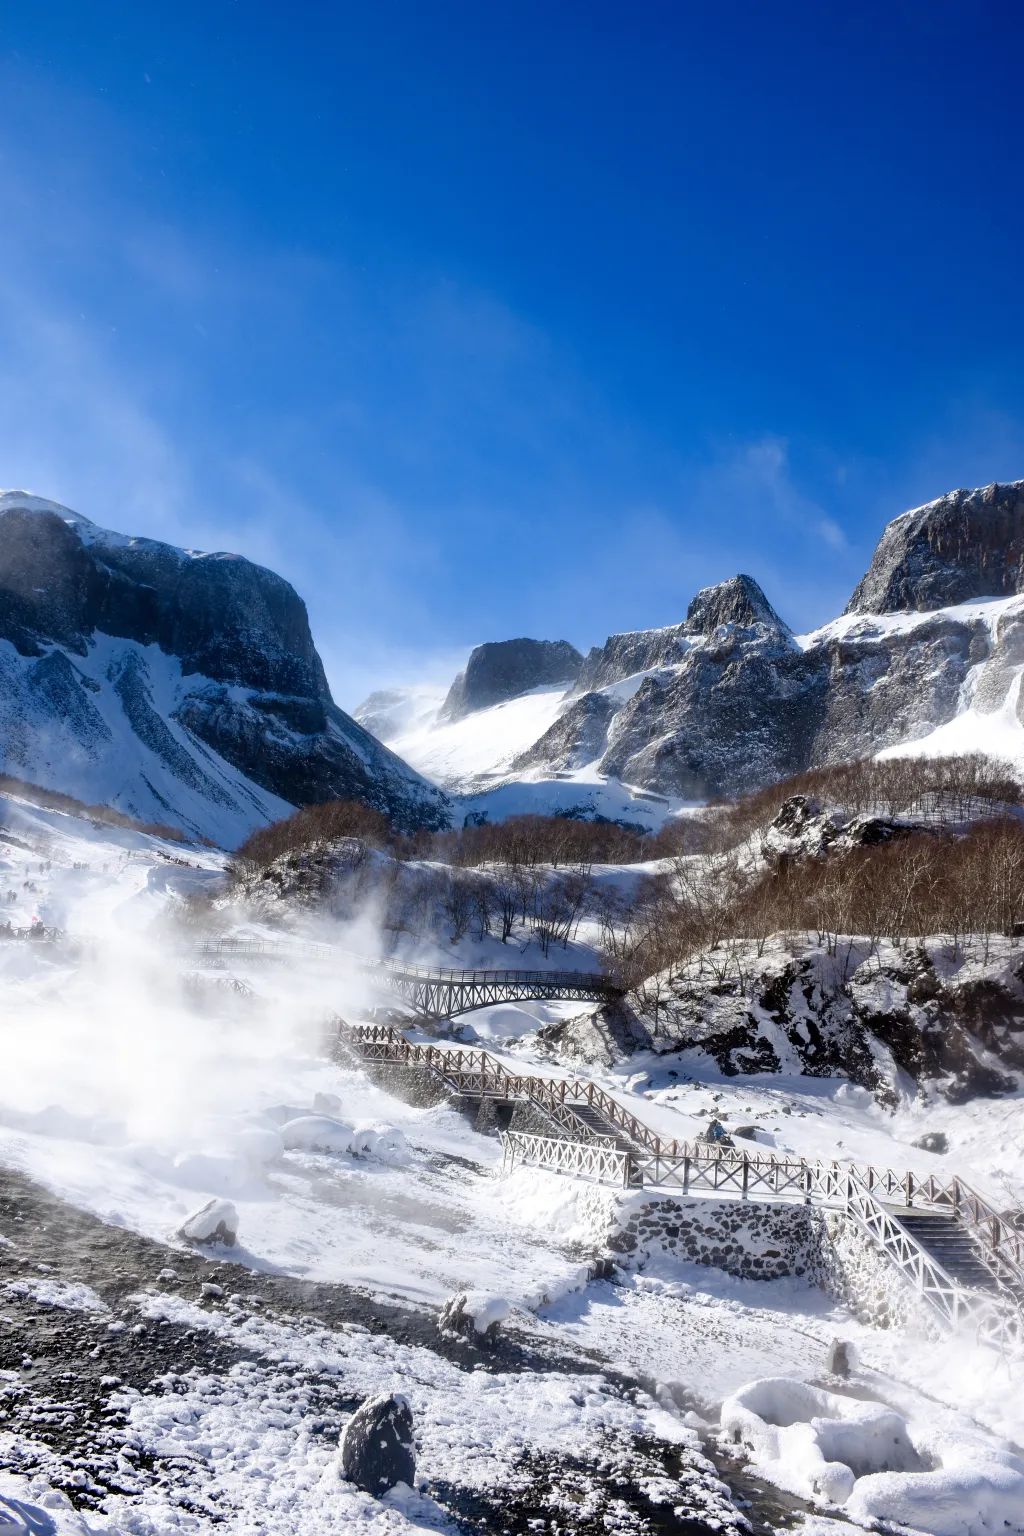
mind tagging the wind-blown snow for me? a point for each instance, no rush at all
(458, 754)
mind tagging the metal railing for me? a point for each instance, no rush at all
(434, 991)
(480, 1074)
(998, 1321)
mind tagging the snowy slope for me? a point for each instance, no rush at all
(463, 754)
(141, 1081)
(97, 754)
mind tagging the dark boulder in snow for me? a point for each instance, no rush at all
(377, 1450)
(933, 1141)
(841, 1359)
(214, 1222)
(504, 669)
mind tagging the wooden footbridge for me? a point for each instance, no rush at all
(962, 1257)
(432, 992)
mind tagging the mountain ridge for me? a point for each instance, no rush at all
(176, 685)
(729, 698)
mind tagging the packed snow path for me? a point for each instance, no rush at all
(967, 1263)
(436, 992)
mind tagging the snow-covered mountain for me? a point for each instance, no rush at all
(928, 657)
(180, 687)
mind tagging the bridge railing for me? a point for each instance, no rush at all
(580, 980)
(701, 1166)
(588, 1160)
(996, 1321)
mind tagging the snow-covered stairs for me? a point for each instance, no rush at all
(942, 1236)
(596, 1124)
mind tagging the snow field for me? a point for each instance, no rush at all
(138, 1088)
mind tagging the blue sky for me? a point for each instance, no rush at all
(478, 321)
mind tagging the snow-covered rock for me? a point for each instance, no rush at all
(475, 1315)
(377, 1450)
(317, 1133)
(789, 1005)
(214, 1222)
(861, 1456)
(815, 1443)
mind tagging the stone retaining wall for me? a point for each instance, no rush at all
(758, 1241)
(849, 1267)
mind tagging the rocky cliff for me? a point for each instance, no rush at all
(181, 687)
(503, 669)
(929, 653)
(931, 648)
(964, 546)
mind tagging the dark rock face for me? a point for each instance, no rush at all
(219, 614)
(732, 717)
(730, 701)
(503, 669)
(575, 738)
(740, 706)
(966, 545)
(738, 601)
(377, 1450)
(242, 678)
(864, 1019)
(625, 655)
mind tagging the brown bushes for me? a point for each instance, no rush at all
(966, 887)
(946, 790)
(315, 826)
(56, 800)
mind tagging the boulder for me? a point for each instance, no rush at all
(841, 1359)
(473, 1315)
(377, 1450)
(214, 1222)
(933, 1141)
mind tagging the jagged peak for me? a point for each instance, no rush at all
(739, 601)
